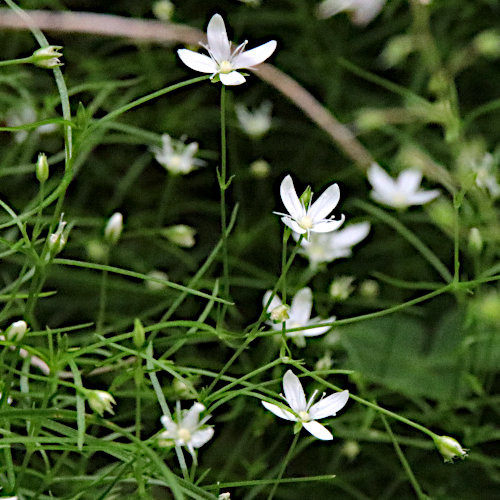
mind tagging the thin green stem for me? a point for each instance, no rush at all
(22, 60)
(284, 466)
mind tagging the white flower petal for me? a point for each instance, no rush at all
(233, 78)
(251, 58)
(422, 197)
(217, 39)
(276, 302)
(292, 224)
(328, 225)
(329, 406)
(382, 182)
(386, 200)
(350, 236)
(294, 394)
(192, 417)
(198, 62)
(300, 310)
(279, 412)
(325, 204)
(409, 180)
(320, 330)
(329, 8)
(318, 430)
(201, 436)
(366, 11)
(290, 199)
(169, 424)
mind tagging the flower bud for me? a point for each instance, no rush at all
(97, 251)
(42, 168)
(487, 43)
(101, 401)
(475, 241)
(279, 314)
(350, 449)
(341, 288)
(57, 240)
(180, 235)
(139, 333)
(16, 331)
(260, 169)
(114, 228)
(369, 289)
(450, 448)
(163, 10)
(306, 196)
(47, 57)
(155, 285)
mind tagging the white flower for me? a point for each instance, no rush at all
(23, 115)
(189, 430)
(362, 11)
(303, 412)
(255, 123)
(176, 156)
(114, 228)
(400, 193)
(485, 171)
(449, 448)
(223, 60)
(310, 219)
(341, 287)
(326, 247)
(299, 315)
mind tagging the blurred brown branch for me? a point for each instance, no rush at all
(169, 33)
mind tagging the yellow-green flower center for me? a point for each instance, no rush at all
(304, 416)
(305, 222)
(184, 434)
(225, 67)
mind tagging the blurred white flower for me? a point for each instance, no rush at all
(180, 235)
(361, 11)
(176, 156)
(222, 60)
(260, 169)
(400, 193)
(163, 10)
(326, 247)
(485, 171)
(155, 285)
(255, 123)
(310, 219)
(23, 115)
(299, 315)
(188, 430)
(303, 412)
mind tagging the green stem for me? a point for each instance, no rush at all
(22, 60)
(283, 466)
(102, 296)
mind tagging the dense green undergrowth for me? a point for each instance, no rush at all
(162, 307)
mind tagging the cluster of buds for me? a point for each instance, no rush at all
(47, 57)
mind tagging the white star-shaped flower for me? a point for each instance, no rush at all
(305, 412)
(400, 193)
(222, 60)
(310, 219)
(362, 11)
(188, 430)
(299, 315)
(176, 156)
(326, 247)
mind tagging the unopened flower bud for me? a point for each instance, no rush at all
(450, 448)
(163, 10)
(42, 168)
(180, 235)
(279, 314)
(159, 275)
(47, 57)
(97, 250)
(16, 331)
(475, 241)
(487, 43)
(101, 401)
(397, 50)
(139, 333)
(369, 289)
(260, 169)
(341, 288)
(351, 449)
(57, 240)
(306, 196)
(114, 228)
